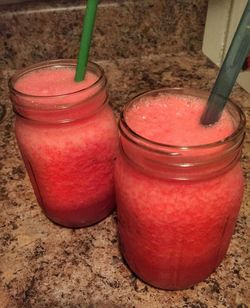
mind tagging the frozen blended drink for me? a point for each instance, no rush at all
(179, 186)
(67, 136)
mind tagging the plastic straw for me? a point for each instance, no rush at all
(87, 30)
(234, 60)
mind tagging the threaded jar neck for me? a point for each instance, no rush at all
(182, 162)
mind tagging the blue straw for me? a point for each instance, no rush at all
(234, 60)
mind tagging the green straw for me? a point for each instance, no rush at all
(234, 60)
(87, 30)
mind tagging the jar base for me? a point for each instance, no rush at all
(80, 223)
(165, 286)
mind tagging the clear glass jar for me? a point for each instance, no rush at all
(69, 144)
(177, 205)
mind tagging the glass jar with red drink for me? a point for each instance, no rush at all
(67, 135)
(177, 203)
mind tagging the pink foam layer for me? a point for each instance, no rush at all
(48, 82)
(175, 120)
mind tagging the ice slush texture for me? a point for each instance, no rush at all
(51, 81)
(70, 164)
(173, 233)
(175, 120)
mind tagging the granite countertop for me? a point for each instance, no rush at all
(45, 265)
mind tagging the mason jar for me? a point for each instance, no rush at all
(68, 137)
(177, 205)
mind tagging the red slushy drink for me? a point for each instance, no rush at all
(67, 135)
(179, 187)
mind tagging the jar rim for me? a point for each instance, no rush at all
(55, 63)
(148, 144)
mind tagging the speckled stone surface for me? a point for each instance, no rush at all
(123, 29)
(45, 265)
